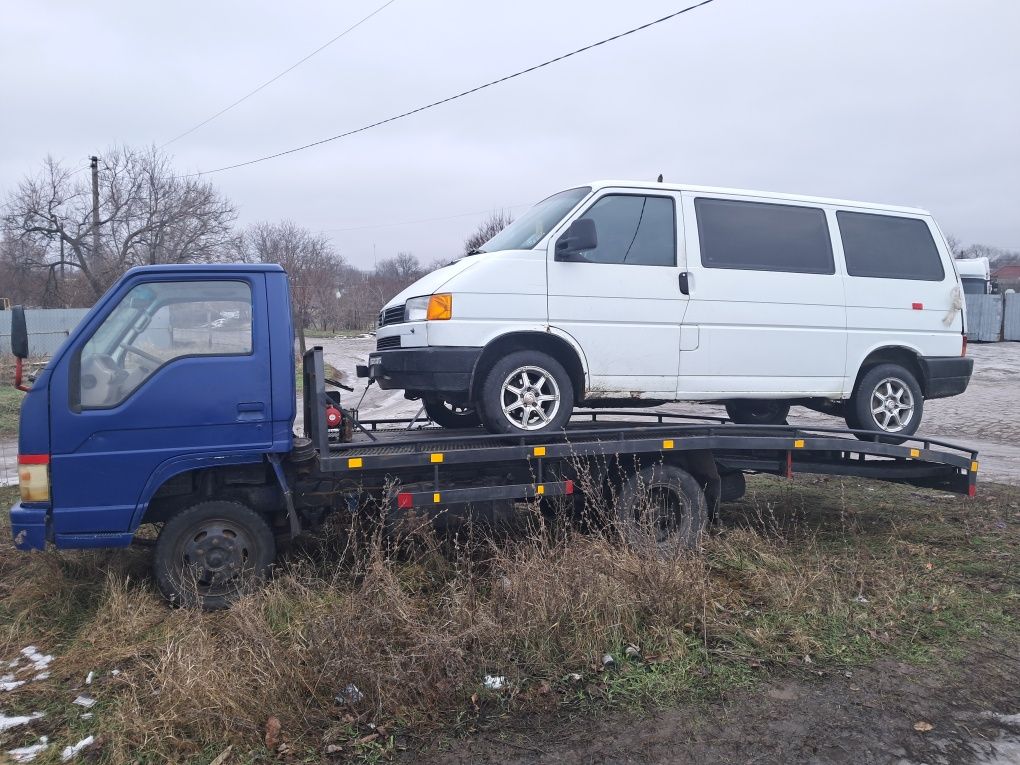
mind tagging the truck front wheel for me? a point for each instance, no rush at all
(526, 392)
(211, 553)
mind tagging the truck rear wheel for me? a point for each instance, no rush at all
(211, 553)
(526, 392)
(661, 508)
(451, 416)
(888, 399)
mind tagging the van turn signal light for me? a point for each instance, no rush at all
(440, 307)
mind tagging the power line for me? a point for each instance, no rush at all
(269, 82)
(458, 95)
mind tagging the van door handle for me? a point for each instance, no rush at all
(685, 283)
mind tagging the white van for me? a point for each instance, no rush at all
(628, 293)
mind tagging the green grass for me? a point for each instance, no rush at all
(10, 409)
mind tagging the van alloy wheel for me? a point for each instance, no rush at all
(530, 398)
(892, 405)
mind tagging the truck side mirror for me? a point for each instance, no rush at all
(19, 333)
(581, 235)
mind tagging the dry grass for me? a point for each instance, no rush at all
(827, 569)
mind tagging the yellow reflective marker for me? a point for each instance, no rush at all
(973, 467)
(915, 452)
(540, 489)
(539, 451)
(436, 456)
(667, 444)
(354, 462)
(798, 444)
(435, 497)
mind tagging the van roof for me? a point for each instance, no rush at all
(751, 193)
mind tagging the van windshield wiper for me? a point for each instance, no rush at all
(474, 251)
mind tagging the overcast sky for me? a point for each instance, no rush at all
(912, 102)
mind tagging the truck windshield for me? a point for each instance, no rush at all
(528, 230)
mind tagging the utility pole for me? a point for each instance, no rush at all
(94, 160)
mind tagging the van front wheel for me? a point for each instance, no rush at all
(888, 399)
(526, 392)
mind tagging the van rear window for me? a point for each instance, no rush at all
(889, 247)
(760, 236)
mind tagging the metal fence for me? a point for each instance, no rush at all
(984, 318)
(1011, 317)
(47, 328)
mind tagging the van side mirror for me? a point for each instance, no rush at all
(19, 333)
(580, 236)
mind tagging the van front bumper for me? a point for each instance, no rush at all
(946, 375)
(28, 527)
(428, 369)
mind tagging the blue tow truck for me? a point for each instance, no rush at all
(172, 405)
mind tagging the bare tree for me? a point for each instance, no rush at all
(147, 215)
(314, 268)
(488, 228)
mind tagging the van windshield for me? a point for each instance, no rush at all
(528, 230)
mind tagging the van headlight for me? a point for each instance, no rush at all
(429, 308)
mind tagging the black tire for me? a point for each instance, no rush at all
(236, 541)
(451, 416)
(660, 509)
(745, 411)
(540, 368)
(891, 379)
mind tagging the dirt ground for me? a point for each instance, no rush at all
(868, 715)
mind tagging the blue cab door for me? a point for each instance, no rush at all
(174, 365)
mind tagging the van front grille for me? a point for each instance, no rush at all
(387, 343)
(391, 315)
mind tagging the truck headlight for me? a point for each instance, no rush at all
(429, 308)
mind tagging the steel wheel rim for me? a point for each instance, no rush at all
(666, 513)
(529, 398)
(214, 556)
(892, 405)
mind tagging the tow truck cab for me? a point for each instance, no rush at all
(176, 368)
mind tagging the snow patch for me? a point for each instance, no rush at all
(6, 723)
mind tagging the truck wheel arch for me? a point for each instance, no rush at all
(179, 466)
(556, 346)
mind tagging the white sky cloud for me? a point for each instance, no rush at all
(910, 102)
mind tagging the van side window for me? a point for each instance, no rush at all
(633, 230)
(889, 247)
(760, 236)
(156, 323)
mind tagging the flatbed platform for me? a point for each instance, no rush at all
(416, 452)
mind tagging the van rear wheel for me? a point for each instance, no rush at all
(757, 411)
(526, 392)
(451, 416)
(888, 400)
